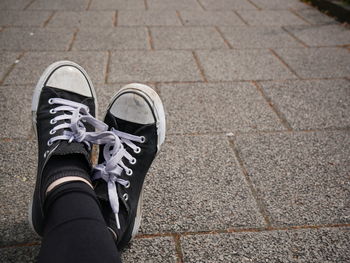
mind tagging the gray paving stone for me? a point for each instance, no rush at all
(23, 18)
(312, 104)
(316, 17)
(13, 5)
(19, 254)
(187, 38)
(16, 123)
(270, 18)
(219, 107)
(7, 59)
(35, 39)
(160, 249)
(68, 5)
(258, 37)
(324, 35)
(16, 188)
(32, 65)
(68, 19)
(173, 5)
(148, 18)
(309, 245)
(120, 38)
(210, 18)
(193, 186)
(226, 5)
(302, 178)
(117, 5)
(317, 62)
(280, 4)
(104, 94)
(137, 66)
(242, 65)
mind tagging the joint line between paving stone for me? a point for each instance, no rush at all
(293, 36)
(115, 18)
(150, 39)
(211, 232)
(11, 68)
(146, 4)
(108, 65)
(88, 5)
(279, 114)
(32, 244)
(262, 209)
(240, 17)
(29, 4)
(294, 12)
(73, 39)
(283, 62)
(192, 82)
(201, 69)
(201, 5)
(241, 230)
(223, 37)
(178, 248)
(254, 4)
(180, 18)
(49, 18)
(330, 129)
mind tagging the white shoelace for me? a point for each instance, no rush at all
(113, 151)
(111, 169)
(74, 129)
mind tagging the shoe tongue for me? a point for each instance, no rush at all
(123, 125)
(65, 148)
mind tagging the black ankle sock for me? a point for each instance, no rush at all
(62, 166)
(75, 230)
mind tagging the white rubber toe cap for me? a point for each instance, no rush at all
(71, 79)
(132, 107)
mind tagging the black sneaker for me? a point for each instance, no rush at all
(63, 110)
(136, 116)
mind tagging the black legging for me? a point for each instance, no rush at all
(75, 230)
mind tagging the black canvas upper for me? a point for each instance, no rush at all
(144, 159)
(43, 127)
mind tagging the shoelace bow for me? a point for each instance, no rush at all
(113, 152)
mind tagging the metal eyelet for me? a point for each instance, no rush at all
(52, 111)
(45, 154)
(49, 143)
(143, 139)
(137, 150)
(52, 131)
(126, 197)
(133, 161)
(129, 172)
(127, 185)
(53, 121)
(50, 101)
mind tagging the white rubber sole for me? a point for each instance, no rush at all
(155, 102)
(35, 101)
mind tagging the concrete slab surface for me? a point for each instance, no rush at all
(255, 166)
(313, 103)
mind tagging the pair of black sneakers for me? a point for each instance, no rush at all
(64, 110)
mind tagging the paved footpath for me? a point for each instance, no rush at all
(256, 164)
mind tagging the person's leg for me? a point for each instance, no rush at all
(64, 209)
(74, 230)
